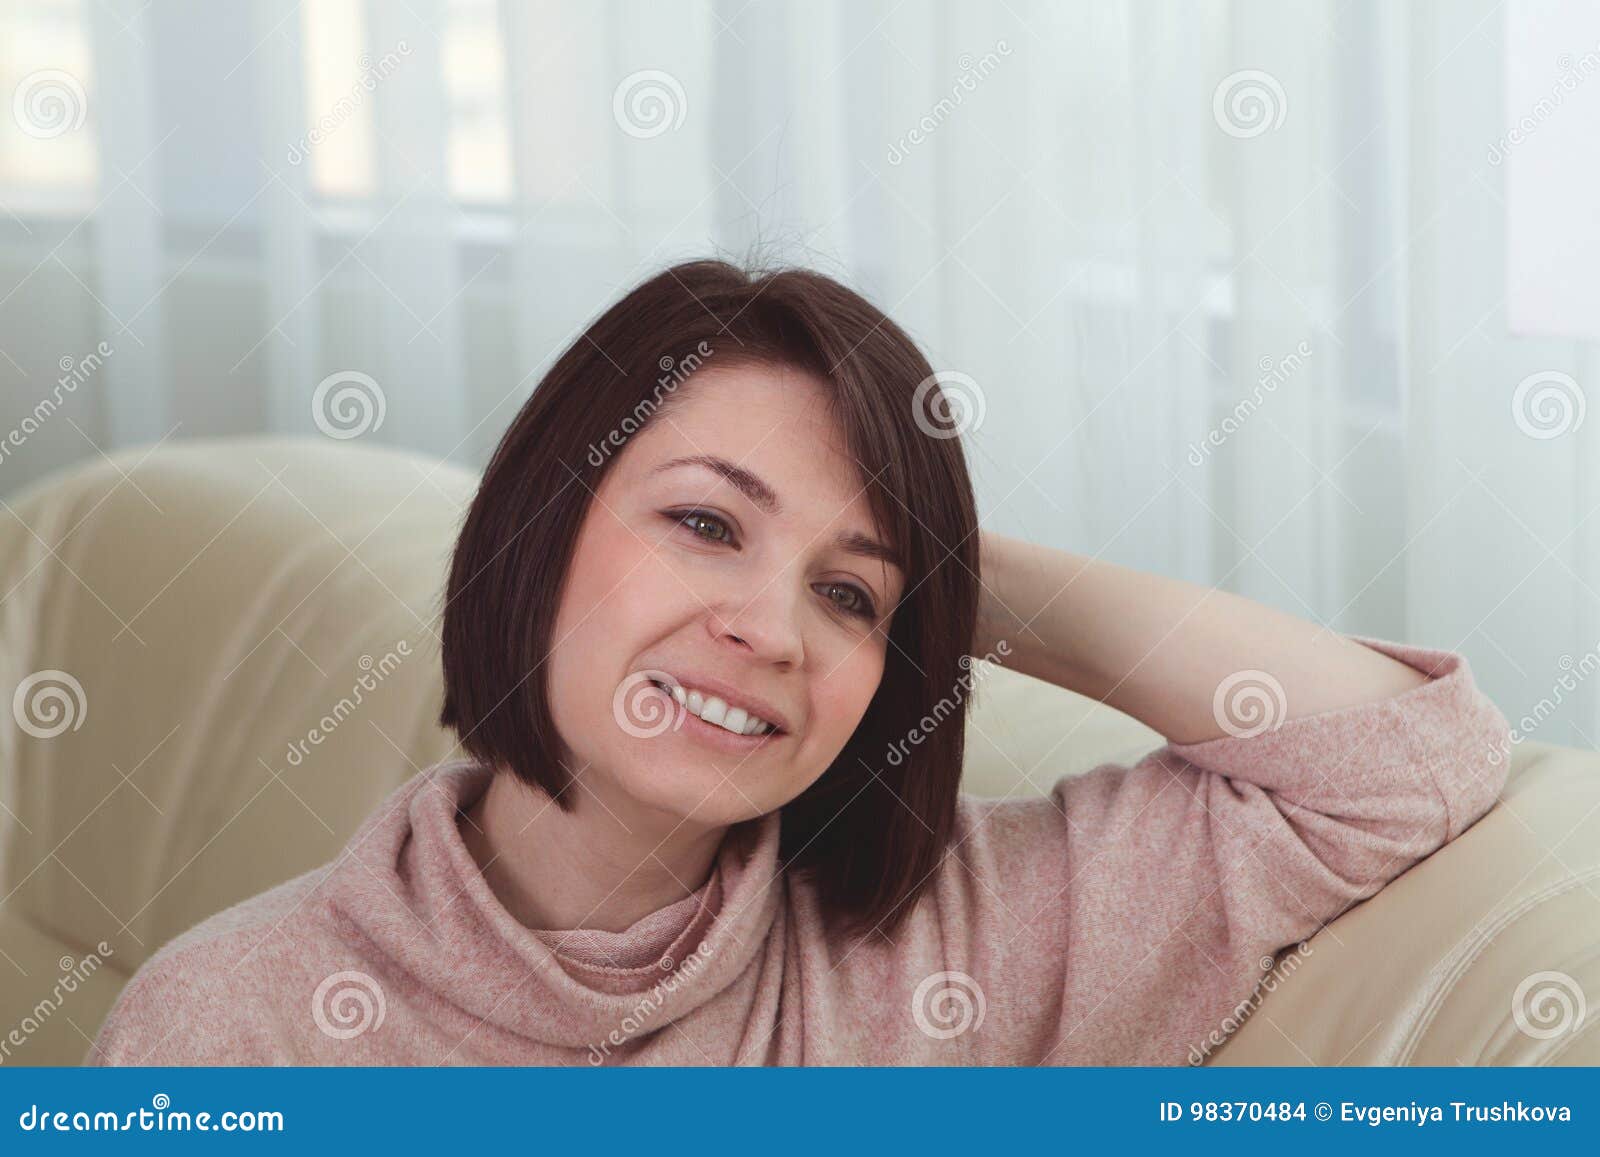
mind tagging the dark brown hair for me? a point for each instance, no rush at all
(871, 831)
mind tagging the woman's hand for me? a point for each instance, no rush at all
(1160, 648)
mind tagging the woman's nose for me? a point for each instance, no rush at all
(765, 620)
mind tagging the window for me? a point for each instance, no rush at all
(346, 69)
(47, 140)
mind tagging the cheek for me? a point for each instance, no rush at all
(608, 580)
(843, 697)
(618, 599)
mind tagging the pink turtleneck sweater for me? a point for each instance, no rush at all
(1119, 920)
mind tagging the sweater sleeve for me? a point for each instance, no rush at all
(1148, 901)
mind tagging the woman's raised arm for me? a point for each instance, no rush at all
(1144, 903)
(1161, 649)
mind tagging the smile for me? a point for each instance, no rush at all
(715, 711)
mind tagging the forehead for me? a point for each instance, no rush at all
(782, 398)
(774, 421)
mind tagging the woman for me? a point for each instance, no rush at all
(704, 642)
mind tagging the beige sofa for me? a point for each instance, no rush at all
(216, 601)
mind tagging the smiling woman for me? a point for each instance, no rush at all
(737, 552)
(711, 687)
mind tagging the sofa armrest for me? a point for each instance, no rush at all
(1485, 953)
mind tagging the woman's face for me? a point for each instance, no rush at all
(722, 553)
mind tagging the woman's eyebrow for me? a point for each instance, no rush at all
(854, 542)
(765, 499)
(752, 487)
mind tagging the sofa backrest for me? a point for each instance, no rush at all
(227, 654)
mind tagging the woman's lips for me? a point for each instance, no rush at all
(720, 737)
(686, 702)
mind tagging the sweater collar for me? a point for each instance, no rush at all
(408, 886)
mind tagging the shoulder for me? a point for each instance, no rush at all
(212, 995)
(1004, 836)
(1002, 855)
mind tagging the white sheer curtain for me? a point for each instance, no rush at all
(1226, 282)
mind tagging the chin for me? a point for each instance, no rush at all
(699, 789)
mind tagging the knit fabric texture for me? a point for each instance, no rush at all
(1120, 919)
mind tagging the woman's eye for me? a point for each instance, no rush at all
(856, 601)
(697, 520)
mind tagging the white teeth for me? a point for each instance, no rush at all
(714, 710)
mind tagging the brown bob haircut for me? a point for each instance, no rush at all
(870, 832)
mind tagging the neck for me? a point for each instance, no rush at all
(592, 867)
